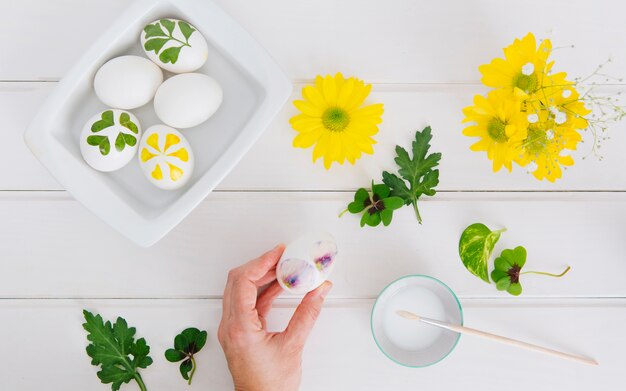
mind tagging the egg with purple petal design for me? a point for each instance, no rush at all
(306, 263)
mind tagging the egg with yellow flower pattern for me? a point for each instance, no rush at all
(165, 157)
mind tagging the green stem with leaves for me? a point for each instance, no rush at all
(549, 274)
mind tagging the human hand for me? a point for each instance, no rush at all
(260, 360)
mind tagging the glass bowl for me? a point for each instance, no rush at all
(409, 342)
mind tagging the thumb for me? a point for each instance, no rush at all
(306, 314)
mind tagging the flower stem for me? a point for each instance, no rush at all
(140, 382)
(343, 213)
(549, 274)
(417, 212)
(193, 370)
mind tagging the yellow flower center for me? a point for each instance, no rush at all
(335, 119)
(526, 83)
(496, 128)
(536, 141)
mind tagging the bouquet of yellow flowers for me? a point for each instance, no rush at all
(532, 116)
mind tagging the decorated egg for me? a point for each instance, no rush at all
(165, 157)
(109, 139)
(127, 82)
(187, 100)
(174, 45)
(306, 263)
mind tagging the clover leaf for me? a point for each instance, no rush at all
(377, 206)
(186, 344)
(100, 141)
(419, 171)
(508, 267)
(156, 38)
(508, 270)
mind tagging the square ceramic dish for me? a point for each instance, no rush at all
(254, 91)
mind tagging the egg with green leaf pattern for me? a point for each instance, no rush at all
(110, 139)
(174, 45)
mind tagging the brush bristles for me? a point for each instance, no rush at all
(407, 315)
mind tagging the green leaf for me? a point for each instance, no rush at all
(168, 24)
(381, 190)
(386, 216)
(516, 256)
(119, 142)
(100, 141)
(186, 29)
(181, 342)
(201, 340)
(373, 219)
(105, 121)
(503, 283)
(173, 355)
(393, 203)
(515, 289)
(186, 344)
(130, 139)
(155, 44)
(419, 171)
(170, 54)
(96, 140)
(186, 367)
(475, 247)
(154, 30)
(398, 187)
(111, 347)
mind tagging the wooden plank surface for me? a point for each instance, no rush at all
(407, 41)
(48, 234)
(47, 346)
(408, 107)
(56, 258)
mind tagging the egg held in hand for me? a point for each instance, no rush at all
(165, 157)
(127, 82)
(306, 263)
(187, 100)
(174, 45)
(109, 139)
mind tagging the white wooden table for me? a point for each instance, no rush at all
(56, 258)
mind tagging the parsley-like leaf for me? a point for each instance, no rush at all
(186, 345)
(419, 171)
(113, 347)
(154, 42)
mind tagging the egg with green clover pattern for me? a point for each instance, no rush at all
(165, 157)
(174, 45)
(109, 139)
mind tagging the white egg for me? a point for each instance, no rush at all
(165, 157)
(174, 45)
(306, 263)
(127, 82)
(109, 139)
(187, 100)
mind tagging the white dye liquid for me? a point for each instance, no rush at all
(411, 334)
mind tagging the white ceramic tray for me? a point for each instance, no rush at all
(254, 91)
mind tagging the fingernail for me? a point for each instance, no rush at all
(325, 289)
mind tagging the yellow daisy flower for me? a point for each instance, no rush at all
(501, 126)
(544, 150)
(523, 67)
(334, 119)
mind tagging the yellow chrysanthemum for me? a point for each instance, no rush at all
(555, 113)
(334, 119)
(501, 126)
(523, 67)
